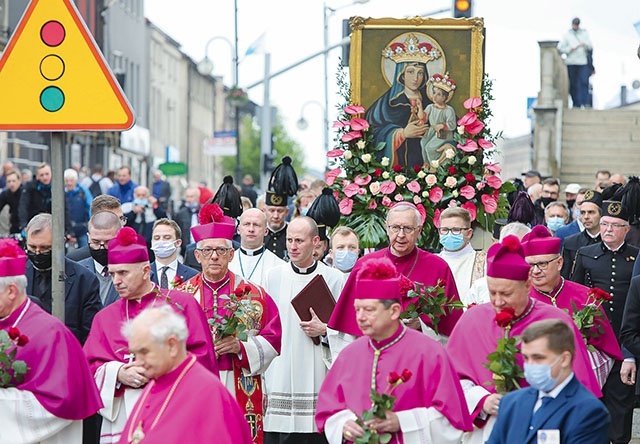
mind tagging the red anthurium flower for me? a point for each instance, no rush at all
(435, 195)
(346, 206)
(485, 144)
(413, 186)
(469, 146)
(387, 187)
(422, 211)
(351, 135)
(471, 208)
(436, 217)
(468, 192)
(474, 127)
(493, 167)
(331, 175)
(471, 103)
(358, 124)
(490, 203)
(340, 124)
(505, 317)
(494, 182)
(335, 153)
(362, 180)
(353, 109)
(468, 118)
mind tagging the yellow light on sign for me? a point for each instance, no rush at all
(462, 5)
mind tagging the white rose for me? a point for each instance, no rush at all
(400, 179)
(425, 194)
(461, 130)
(455, 193)
(366, 158)
(421, 174)
(472, 160)
(450, 154)
(451, 182)
(374, 187)
(384, 162)
(431, 180)
(435, 164)
(361, 144)
(385, 175)
(347, 154)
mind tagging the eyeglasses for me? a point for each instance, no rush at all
(123, 219)
(606, 225)
(96, 245)
(207, 252)
(455, 230)
(544, 264)
(397, 228)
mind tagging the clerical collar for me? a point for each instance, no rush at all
(218, 282)
(404, 264)
(378, 345)
(170, 377)
(467, 249)
(554, 293)
(593, 236)
(310, 269)
(256, 252)
(526, 312)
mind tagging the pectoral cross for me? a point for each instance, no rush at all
(130, 357)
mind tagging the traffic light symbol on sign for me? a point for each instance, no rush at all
(53, 76)
(462, 8)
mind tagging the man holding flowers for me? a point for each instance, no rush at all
(423, 400)
(483, 348)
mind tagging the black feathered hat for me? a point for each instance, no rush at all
(283, 184)
(629, 196)
(228, 197)
(522, 210)
(325, 211)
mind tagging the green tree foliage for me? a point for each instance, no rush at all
(283, 145)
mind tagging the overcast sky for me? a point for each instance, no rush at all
(294, 30)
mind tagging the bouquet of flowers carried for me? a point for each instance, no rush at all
(365, 184)
(585, 318)
(502, 362)
(430, 301)
(240, 315)
(12, 371)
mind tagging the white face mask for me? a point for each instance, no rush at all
(344, 260)
(164, 249)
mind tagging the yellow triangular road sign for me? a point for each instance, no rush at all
(53, 76)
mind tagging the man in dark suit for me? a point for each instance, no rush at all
(187, 216)
(103, 227)
(166, 270)
(590, 214)
(82, 290)
(556, 405)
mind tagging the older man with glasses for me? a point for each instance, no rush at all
(608, 265)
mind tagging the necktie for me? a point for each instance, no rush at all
(105, 271)
(540, 412)
(164, 281)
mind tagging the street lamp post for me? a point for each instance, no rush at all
(302, 123)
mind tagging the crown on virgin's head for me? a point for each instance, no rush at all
(411, 50)
(444, 82)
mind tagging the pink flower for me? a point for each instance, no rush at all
(494, 182)
(362, 180)
(474, 128)
(416, 199)
(480, 186)
(468, 118)
(472, 102)
(485, 144)
(353, 109)
(340, 124)
(435, 195)
(362, 191)
(351, 135)
(330, 176)
(346, 206)
(386, 201)
(373, 204)
(351, 190)
(469, 146)
(358, 124)
(398, 197)
(413, 186)
(471, 208)
(468, 192)
(387, 187)
(422, 211)
(335, 153)
(490, 203)
(436, 218)
(493, 167)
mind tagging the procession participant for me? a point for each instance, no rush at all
(542, 252)
(326, 212)
(47, 406)
(283, 184)
(118, 375)
(241, 362)
(252, 260)
(403, 225)
(167, 271)
(509, 282)
(429, 405)
(294, 378)
(181, 392)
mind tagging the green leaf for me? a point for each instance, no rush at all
(384, 438)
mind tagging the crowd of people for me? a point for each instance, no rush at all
(179, 323)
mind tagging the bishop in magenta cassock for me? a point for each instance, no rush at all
(183, 402)
(118, 375)
(404, 225)
(240, 362)
(542, 252)
(477, 334)
(57, 391)
(430, 404)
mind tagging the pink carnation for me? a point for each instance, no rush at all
(468, 192)
(353, 109)
(471, 208)
(490, 203)
(472, 102)
(346, 206)
(362, 180)
(331, 175)
(485, 144)
(494, 182)
(387, 187)
(335, 153)
(351, 190)
(351, 135)
(413, 186)
(358, 124)
(435, 195)
(469, 146)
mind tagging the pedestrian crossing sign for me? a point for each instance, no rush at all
(53, 76)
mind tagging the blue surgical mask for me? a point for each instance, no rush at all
(452, 242)
(191, 205)
(555, 222)
(164, 249)
(303, 210)
(344, 260)
(539, 375)
(141, 202)
(576, 212)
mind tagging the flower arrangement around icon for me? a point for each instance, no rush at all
(12, 371)
(237, 96)
(381, 403)
(427, 300)
(502, 362)
(239, 311)
(365, 184)
(585, 318)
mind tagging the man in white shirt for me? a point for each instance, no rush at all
(575, 45)
(166, 270)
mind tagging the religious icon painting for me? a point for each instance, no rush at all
(413, 76)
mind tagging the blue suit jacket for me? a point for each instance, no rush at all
(580, 417)
(112, 295)
(567, 230)
(183, 271)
